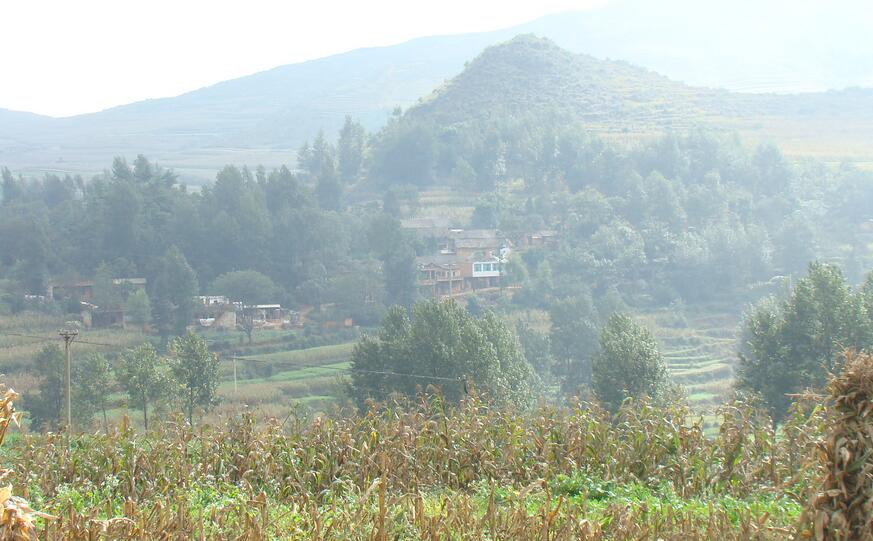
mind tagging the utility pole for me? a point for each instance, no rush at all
(68, 335)
(234, 374)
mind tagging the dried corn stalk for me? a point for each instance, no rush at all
(16, 516)
(842, 507)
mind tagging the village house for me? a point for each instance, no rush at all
(90, 314)
(545, 237)
(467, 243)
(83, 290)
(440, 275)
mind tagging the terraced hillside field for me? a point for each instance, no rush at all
(699, 348)
(277, 382)
(447, 204)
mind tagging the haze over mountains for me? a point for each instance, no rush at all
(263, 118)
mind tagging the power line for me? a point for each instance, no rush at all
(358, 370)
(255, 359)
(48, 339)
(43, 338)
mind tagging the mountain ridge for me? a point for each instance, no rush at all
(534, 76)
(264, 117)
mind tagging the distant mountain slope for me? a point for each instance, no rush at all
(786, 46)
(264, 117)
(533, 76)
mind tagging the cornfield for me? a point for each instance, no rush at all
(427, 470)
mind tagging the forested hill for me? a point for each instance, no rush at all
(534, 78)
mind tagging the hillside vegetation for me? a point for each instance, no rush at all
(532, 78)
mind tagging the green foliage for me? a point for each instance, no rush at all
(628, 364)
(47, 406)
(405, 155)
(195, 370)
(90, 384)
(393, 246)
(537, 349)
(138, 308)
(791, 345)
(145, 377)
(574, 339)
(248, 286)
(106, 295)
(468, 471)
(444, 346)
(93, 383)
(350, 151)
(174, 290)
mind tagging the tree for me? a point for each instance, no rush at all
(11, 190)
(329, 192)
(106, 294)
(514, 270)
(174, 291)
(574, 338)
(246, 286)
(792, 345)
(143, 170)
(405, 156)
(317, 160)
(47, 406)
(120, 169)
(350, 150)
(138, 308)
(486, 215)
(390, 243)
(444, 346)
(195, 369)
(628, 364)
(93, 385)
(537, 349)
(145, 377)
(399, 270)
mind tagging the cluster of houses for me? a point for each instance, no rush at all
(220, 312)
(467, 259)
(82, 291)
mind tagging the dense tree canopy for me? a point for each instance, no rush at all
(441, 345)
(792, 344)
(628, 364)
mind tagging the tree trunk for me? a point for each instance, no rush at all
(145, 414)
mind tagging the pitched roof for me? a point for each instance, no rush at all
(442, 260)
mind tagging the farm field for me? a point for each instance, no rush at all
(425, 471)
(700, 353)
(699, 349)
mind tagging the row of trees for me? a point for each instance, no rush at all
(691, 217)
(187, 377)
(138, 221)
(792, 344)
(442, 345)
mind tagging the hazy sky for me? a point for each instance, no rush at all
(63, 57)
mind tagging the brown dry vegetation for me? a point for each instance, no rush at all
(841, 508)
(428, 471)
